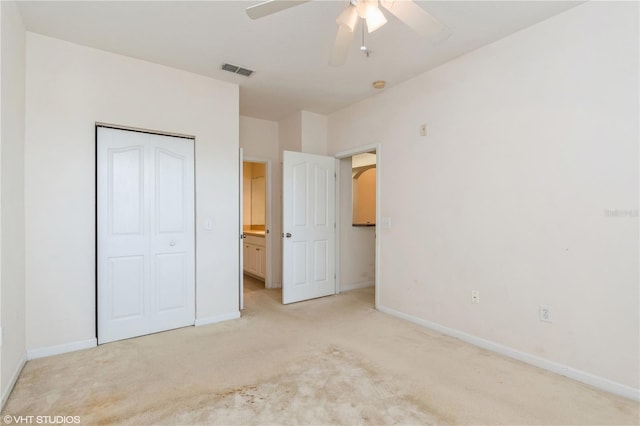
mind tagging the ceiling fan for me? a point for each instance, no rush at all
(368, 11)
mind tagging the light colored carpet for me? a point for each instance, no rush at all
(329, 388)
(333, 360)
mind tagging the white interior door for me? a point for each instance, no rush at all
(146, 235)
(309, 231)
(241, 254)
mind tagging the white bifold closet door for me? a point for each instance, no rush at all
(145, 231)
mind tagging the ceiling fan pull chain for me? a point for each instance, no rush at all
(363, 47)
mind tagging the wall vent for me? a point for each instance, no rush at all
(237, 70)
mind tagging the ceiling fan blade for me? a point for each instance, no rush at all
(344, 37)
(271, 6)
(417, 19)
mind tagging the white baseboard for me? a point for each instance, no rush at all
(12, 382)
(355, 286)
(564, 370)
(61, 349)
(217, 318)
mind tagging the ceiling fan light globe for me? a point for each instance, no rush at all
(364, 7)
(375, 20)
(348, 18)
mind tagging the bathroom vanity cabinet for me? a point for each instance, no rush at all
(254, 256)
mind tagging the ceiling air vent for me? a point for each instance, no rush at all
(237, 70)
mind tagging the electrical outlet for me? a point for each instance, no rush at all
(475, 296)
(545, 313)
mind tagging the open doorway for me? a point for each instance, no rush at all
(254, 220)
(358, 197)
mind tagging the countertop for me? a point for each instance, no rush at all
(255, 233)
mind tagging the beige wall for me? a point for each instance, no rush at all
(290, 133)
(313, 133)
(532, 140)
(303, 131)
(69, 88)
(12, 220)
(364, 197)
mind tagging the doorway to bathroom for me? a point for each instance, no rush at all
(255, 225)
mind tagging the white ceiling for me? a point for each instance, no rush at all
(289, 50)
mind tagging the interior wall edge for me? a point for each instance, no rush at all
(217, 318)
(6, 392)
(61, 349)
(354, 286)
(554, 367)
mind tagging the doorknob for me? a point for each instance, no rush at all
(288, 235)
(172, 243)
